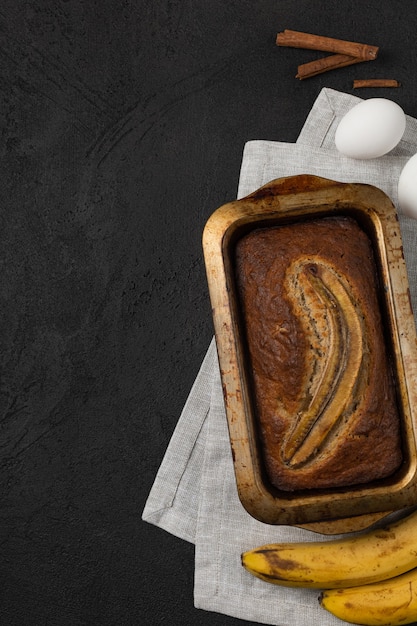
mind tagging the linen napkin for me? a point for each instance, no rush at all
(194, 495)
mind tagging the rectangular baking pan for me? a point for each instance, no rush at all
(283, 201)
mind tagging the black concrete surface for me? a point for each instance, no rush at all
(122, 129)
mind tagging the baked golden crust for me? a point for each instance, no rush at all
(323, 388)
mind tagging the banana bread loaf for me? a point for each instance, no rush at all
(323, 387)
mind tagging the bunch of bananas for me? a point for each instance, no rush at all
(368, 579)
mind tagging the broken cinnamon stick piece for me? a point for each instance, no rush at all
(331, 62)
(296, 39)
(376, 82)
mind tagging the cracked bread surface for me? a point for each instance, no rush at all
(323, 386)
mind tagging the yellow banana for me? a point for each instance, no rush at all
(375, 555)
(390, 603)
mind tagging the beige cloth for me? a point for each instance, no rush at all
(194, 494)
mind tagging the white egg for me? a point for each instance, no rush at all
(407, 188)
(370, 129)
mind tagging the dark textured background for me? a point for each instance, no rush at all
(122, 129)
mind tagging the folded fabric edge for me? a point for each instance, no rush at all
(317, 126)
(158, 509)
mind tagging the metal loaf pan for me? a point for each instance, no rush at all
(287, 200)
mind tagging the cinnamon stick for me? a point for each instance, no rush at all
(376, 82)
(296, 39)
(331, 62)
